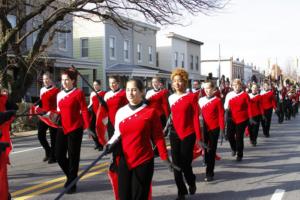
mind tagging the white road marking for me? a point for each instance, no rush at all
(16, 152)
(278, 194)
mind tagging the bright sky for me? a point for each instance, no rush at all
(256, 30)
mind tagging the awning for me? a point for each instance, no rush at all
(63, 62)
(132, 70)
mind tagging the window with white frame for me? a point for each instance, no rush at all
(192, 62)
(84, 43)
(139, 52)
(126, 50)
(197, 63)
(182, 60)
(150, 52)
(176, 59)
(62, 41)
(112, 47)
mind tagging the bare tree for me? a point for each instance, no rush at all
(51, 14)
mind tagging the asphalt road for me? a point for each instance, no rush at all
(269, 171)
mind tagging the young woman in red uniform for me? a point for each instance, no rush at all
(158, 99)
(255, 108)
(185, 119)
(115, 99)
(48, 95)
(93, 108)
(268, 104)
(136, 127)
(212, 112)
(236, 103)
(72, 108)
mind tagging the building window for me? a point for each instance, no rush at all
(150, 51)
(126, 50)
(112, 47)
(182, 60)
(157, 59)
(84, 47)
(197, 63)
(192, 62)
(139, 52)
(176, 59)
(36, 22)
(62, 41)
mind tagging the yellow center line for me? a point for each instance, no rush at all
(43, 184)
(31, 195)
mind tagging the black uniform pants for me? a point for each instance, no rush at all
(93, 128)
(280, 111)
(182, 156)
(254, 128)
(235, 134)
(69, 144)
(134, 184)
(211, 139)
(42, 130)
(267, 122)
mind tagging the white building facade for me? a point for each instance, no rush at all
(179, 51)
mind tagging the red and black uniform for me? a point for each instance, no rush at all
(158, 100)
(114, 101)
(224, 91)
(137, 127)
(3, 155)
(212, 113)
(237, 105)
(72, 107)
(93, 109)
(281, 102)
(268, 104)
(48, 96)
(185, 119)
(255, 111)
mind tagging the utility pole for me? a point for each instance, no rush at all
(219, 71)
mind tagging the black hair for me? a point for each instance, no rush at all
(138, 83)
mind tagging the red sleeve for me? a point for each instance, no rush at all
(248, 105)
(260, 106)
(166, 104)
(84, 110)
(196, 118)
(158, 136)
(221, 115)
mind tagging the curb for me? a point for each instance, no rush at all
(23, 134)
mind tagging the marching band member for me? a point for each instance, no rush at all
(93, 108)
(136, 126)
(268, 104)
(115, 99)
(157, 99)
(48, 95)
(5, 116)
(185, 119)
(256, 110)
(236, 104)
(212, 112)
(72, 108)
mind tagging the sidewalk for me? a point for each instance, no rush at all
(23, 134)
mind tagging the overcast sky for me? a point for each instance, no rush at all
(256, 30)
